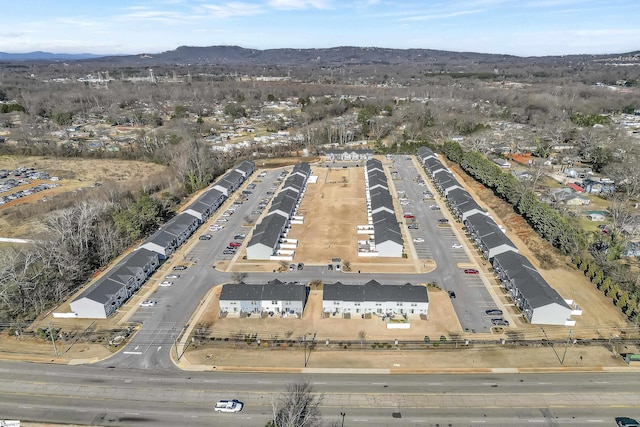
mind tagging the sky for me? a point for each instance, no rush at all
(515, 27)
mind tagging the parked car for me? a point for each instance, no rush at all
(228, 406)
(413, 226)
(292, 267)
(418, 240)
(434, 207)
(338, 267)
(471, 271)
(500, 322)
(179, 267)
(228, 252)
(452, 294)
(166, 283)
(148, 303)
(235, 244)
(456, 246)
(443, 220)
(205, 237)
(300, 266)
(330, 267)
(494, 312)
(239, 236)
(222, 220)
(409, 216)
(626, 422)
(269, 193)
(172, 276)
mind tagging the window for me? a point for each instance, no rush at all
(336, 303)
(399, 304)
(357, 304)
(414, 305)
(274, 302)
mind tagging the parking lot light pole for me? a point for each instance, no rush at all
(342, 414)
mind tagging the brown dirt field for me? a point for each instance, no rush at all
(433, 360)
(37, 350)
(74, 174)
(332, 209)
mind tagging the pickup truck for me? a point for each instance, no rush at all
(228, 406)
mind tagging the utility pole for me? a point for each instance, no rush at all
(53, 339)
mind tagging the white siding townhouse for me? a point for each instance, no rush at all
(172, 235)
(280, 298)
(387, 236)
(205, 205)
(539, 302)
(487, 236)
(113, 288)
(376, 298)
(229, 183)
(266, 236)
(348, 155)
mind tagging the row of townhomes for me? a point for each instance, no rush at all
(103, 297)
(538, 301)
(386, 240)
(269, 240)
(339, 299)
(348, 155)
(288, 299)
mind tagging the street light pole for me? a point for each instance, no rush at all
(342, 414)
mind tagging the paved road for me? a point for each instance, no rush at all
(472, 297)
(123, 397)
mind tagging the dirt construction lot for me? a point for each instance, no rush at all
(74, 175)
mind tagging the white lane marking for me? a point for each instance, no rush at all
(159, 347)
(434, 383)
(131, 352)
(132, 413)
(478, 421)
(595, 421)
(536, 421)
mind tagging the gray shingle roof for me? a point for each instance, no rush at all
(274, 290)
(268, 231)
(374, 291)
(528, 280)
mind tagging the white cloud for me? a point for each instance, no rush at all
(300, 4)
(442, 15)
(227, 10)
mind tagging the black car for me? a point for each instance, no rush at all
(179, 267)
(494, 312)
(205, 237)
(443, 220)
(330, 267)
(300, 266)
(626, 422)
(452, 294)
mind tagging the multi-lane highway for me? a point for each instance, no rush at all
(91, 395)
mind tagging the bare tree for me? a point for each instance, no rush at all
(297, 407)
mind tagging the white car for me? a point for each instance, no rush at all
(166, 283)
(148, 303)
(228, 406)
(418, 240)
(222, 220)
(172, 276)
(456, 246)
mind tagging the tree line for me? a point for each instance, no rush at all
(552, 225)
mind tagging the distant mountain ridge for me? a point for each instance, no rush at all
(46, 56)
(334, 56)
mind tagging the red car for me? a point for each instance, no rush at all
(235, 244)
(408, 216)
(471, 271)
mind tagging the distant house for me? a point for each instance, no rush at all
(577, 200)
(595, 217)
(575, 187)
(632, 249)
(503, 163)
